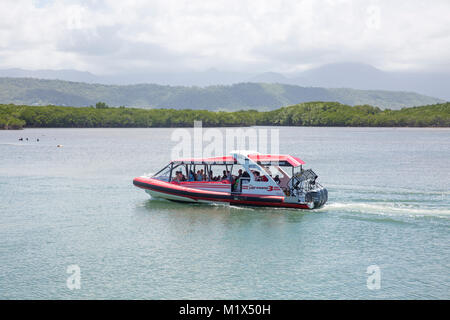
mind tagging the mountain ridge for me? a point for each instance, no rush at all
(261, 96)
(341, 75)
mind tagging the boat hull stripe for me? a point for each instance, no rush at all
(274, 201)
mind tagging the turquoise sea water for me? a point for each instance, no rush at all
(389, 206)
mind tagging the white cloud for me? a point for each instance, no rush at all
(107, 36)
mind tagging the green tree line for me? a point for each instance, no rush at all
(303, 114)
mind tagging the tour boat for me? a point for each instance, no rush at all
(245, 178)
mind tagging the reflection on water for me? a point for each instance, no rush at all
(222, 213)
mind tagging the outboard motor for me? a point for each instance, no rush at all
(318, 196)
(307, 189)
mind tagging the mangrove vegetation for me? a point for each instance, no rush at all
(303, 114)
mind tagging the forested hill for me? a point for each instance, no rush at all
(260, 96)
(304, 114)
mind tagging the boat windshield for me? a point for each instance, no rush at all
(163, 174)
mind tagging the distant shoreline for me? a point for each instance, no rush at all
(309, 114)
(31, 128)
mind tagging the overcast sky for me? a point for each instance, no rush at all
(252, 36)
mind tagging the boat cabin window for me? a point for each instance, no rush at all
(171, 172)
(219, 172)
(274, 172)
(201, 172)
(239, 177)
(179, 173)
(279, 174)
(237, 171)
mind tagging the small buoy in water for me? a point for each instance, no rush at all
(59, 145)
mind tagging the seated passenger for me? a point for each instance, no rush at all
(178, 176)
(203, 175)
(199, 176)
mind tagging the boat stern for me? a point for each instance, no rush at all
(318, 197)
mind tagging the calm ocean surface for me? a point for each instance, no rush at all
(389, 205)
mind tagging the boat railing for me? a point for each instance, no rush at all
(303, 182)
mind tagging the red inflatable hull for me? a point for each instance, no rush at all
(180, 192)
